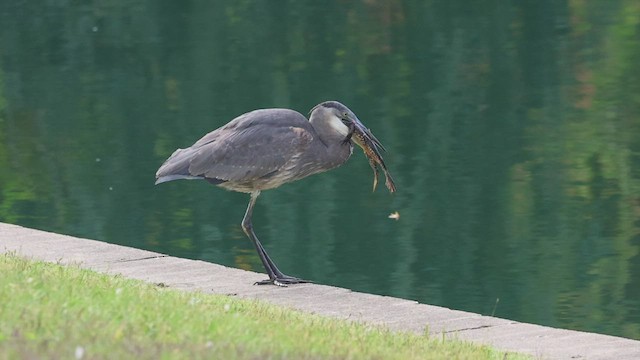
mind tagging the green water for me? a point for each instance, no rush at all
(512, 129)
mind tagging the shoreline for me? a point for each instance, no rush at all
(394, 313)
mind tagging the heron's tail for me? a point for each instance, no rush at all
(176, 167)
(166, 178)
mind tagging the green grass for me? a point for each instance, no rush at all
(53, 311)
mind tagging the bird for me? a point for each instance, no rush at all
(266, 148)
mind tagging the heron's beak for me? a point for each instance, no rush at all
(365, 139)
(372, 149)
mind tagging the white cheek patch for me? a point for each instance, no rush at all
(338, 126)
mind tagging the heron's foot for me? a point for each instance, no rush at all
(282, 281)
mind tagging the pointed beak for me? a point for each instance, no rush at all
(365, 139)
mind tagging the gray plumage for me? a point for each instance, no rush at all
(260, 150)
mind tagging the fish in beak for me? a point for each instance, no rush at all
(372, 149)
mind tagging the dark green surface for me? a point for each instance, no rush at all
(513, 133)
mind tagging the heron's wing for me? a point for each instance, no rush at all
(253, 143)
(250, 152)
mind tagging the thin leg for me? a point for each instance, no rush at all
(276, 277)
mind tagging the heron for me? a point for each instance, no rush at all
(266, 148)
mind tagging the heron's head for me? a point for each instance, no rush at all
(339, 123)
(344, 122)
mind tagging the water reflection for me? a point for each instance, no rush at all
(513, 131)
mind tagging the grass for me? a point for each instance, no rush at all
(53, 311)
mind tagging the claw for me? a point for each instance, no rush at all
(282, 281)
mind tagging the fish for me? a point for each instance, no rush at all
(372, 148)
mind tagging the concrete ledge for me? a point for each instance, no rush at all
(394, 313)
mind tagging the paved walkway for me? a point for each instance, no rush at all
(398, 314)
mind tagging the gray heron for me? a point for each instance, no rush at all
(266, 148)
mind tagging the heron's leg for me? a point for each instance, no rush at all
(272, 265)
(276, 277)
(247, 226)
